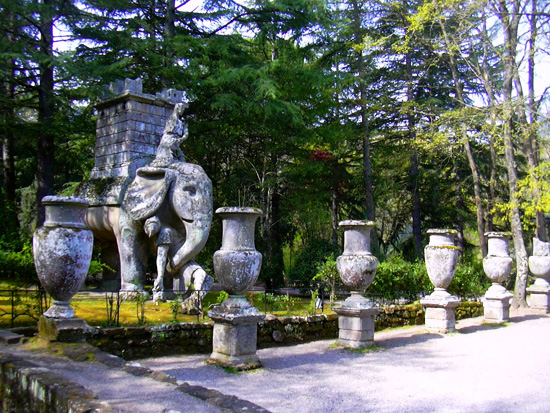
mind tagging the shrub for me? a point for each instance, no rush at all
(397, 278)
(307, 259)
(18, 266)
(470, 280)
(327, 276)
(278, 302)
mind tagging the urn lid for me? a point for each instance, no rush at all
(239, 210)
(440, 231)
(494, 234)
(350, 223)
(64, 200)
(64, 211)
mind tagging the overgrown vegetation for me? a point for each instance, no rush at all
(411, 114)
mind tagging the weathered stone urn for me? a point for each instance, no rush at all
(237, 266)
(357, 268)
(539, 265)
(441, 256)
(497, 265)
(62, 253)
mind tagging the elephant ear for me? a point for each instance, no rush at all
(146, 194)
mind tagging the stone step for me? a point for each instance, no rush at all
(7, 337)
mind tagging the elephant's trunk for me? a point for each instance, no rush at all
(196, 236)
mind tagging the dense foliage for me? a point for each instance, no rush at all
(412, 114)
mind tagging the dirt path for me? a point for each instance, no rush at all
(480, 368)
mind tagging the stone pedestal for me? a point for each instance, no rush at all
(356, 326)
(235, 334)
(68, 330)
(496, 304)
(539, 298)
(440, 311)
(234, 340)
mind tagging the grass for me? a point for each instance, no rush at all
(494, 325)
(363, 350)
(93, 309)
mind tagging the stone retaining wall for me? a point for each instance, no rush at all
(275, 331)
(139, 342)
(469, 309)
(26, 387)
(188, 338)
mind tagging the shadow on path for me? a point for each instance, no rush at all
(492, 326)
(388, 341)
(401, 341)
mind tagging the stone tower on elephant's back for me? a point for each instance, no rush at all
(129, 127)
(128, 130)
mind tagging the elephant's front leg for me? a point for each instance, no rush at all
(133, 251)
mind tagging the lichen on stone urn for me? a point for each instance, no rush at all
(497, 265)
(62, 251)
(357, 266)
(539, 262)
(237, 263)
(441, 257)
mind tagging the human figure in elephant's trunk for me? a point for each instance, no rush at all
(163, 235)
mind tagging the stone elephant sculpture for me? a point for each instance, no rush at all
(180, 194)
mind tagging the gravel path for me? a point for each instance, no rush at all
(480, 368)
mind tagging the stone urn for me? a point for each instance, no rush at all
(497, 265)
(441, 256)
(237, 266)
(62, 252)
(237, 263)
(357, 266)
(539, 265)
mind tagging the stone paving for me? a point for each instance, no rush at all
(481, 368)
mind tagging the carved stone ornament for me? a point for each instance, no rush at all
(441, 256)
(497, 265)
(357, 268)
(237, 266)
(62, 252)
(539, 265)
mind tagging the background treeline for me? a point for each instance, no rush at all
(415, 114)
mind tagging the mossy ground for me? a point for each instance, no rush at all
(93, 309)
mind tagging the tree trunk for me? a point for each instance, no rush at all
(367, 169)
(486, 80)
(169, 24)
(416, 211)
(334, 217)
(460, 206)
(8, 161)
(532, 137)
(45, 110)
(273, 260)
(466, 144)
(8, 113)
(510, 24)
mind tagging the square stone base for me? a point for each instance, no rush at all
(67, 330)
(539, 299)
(496, 310)
(440, 319)
(234, 342)
(356, 326)
(440, 311)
